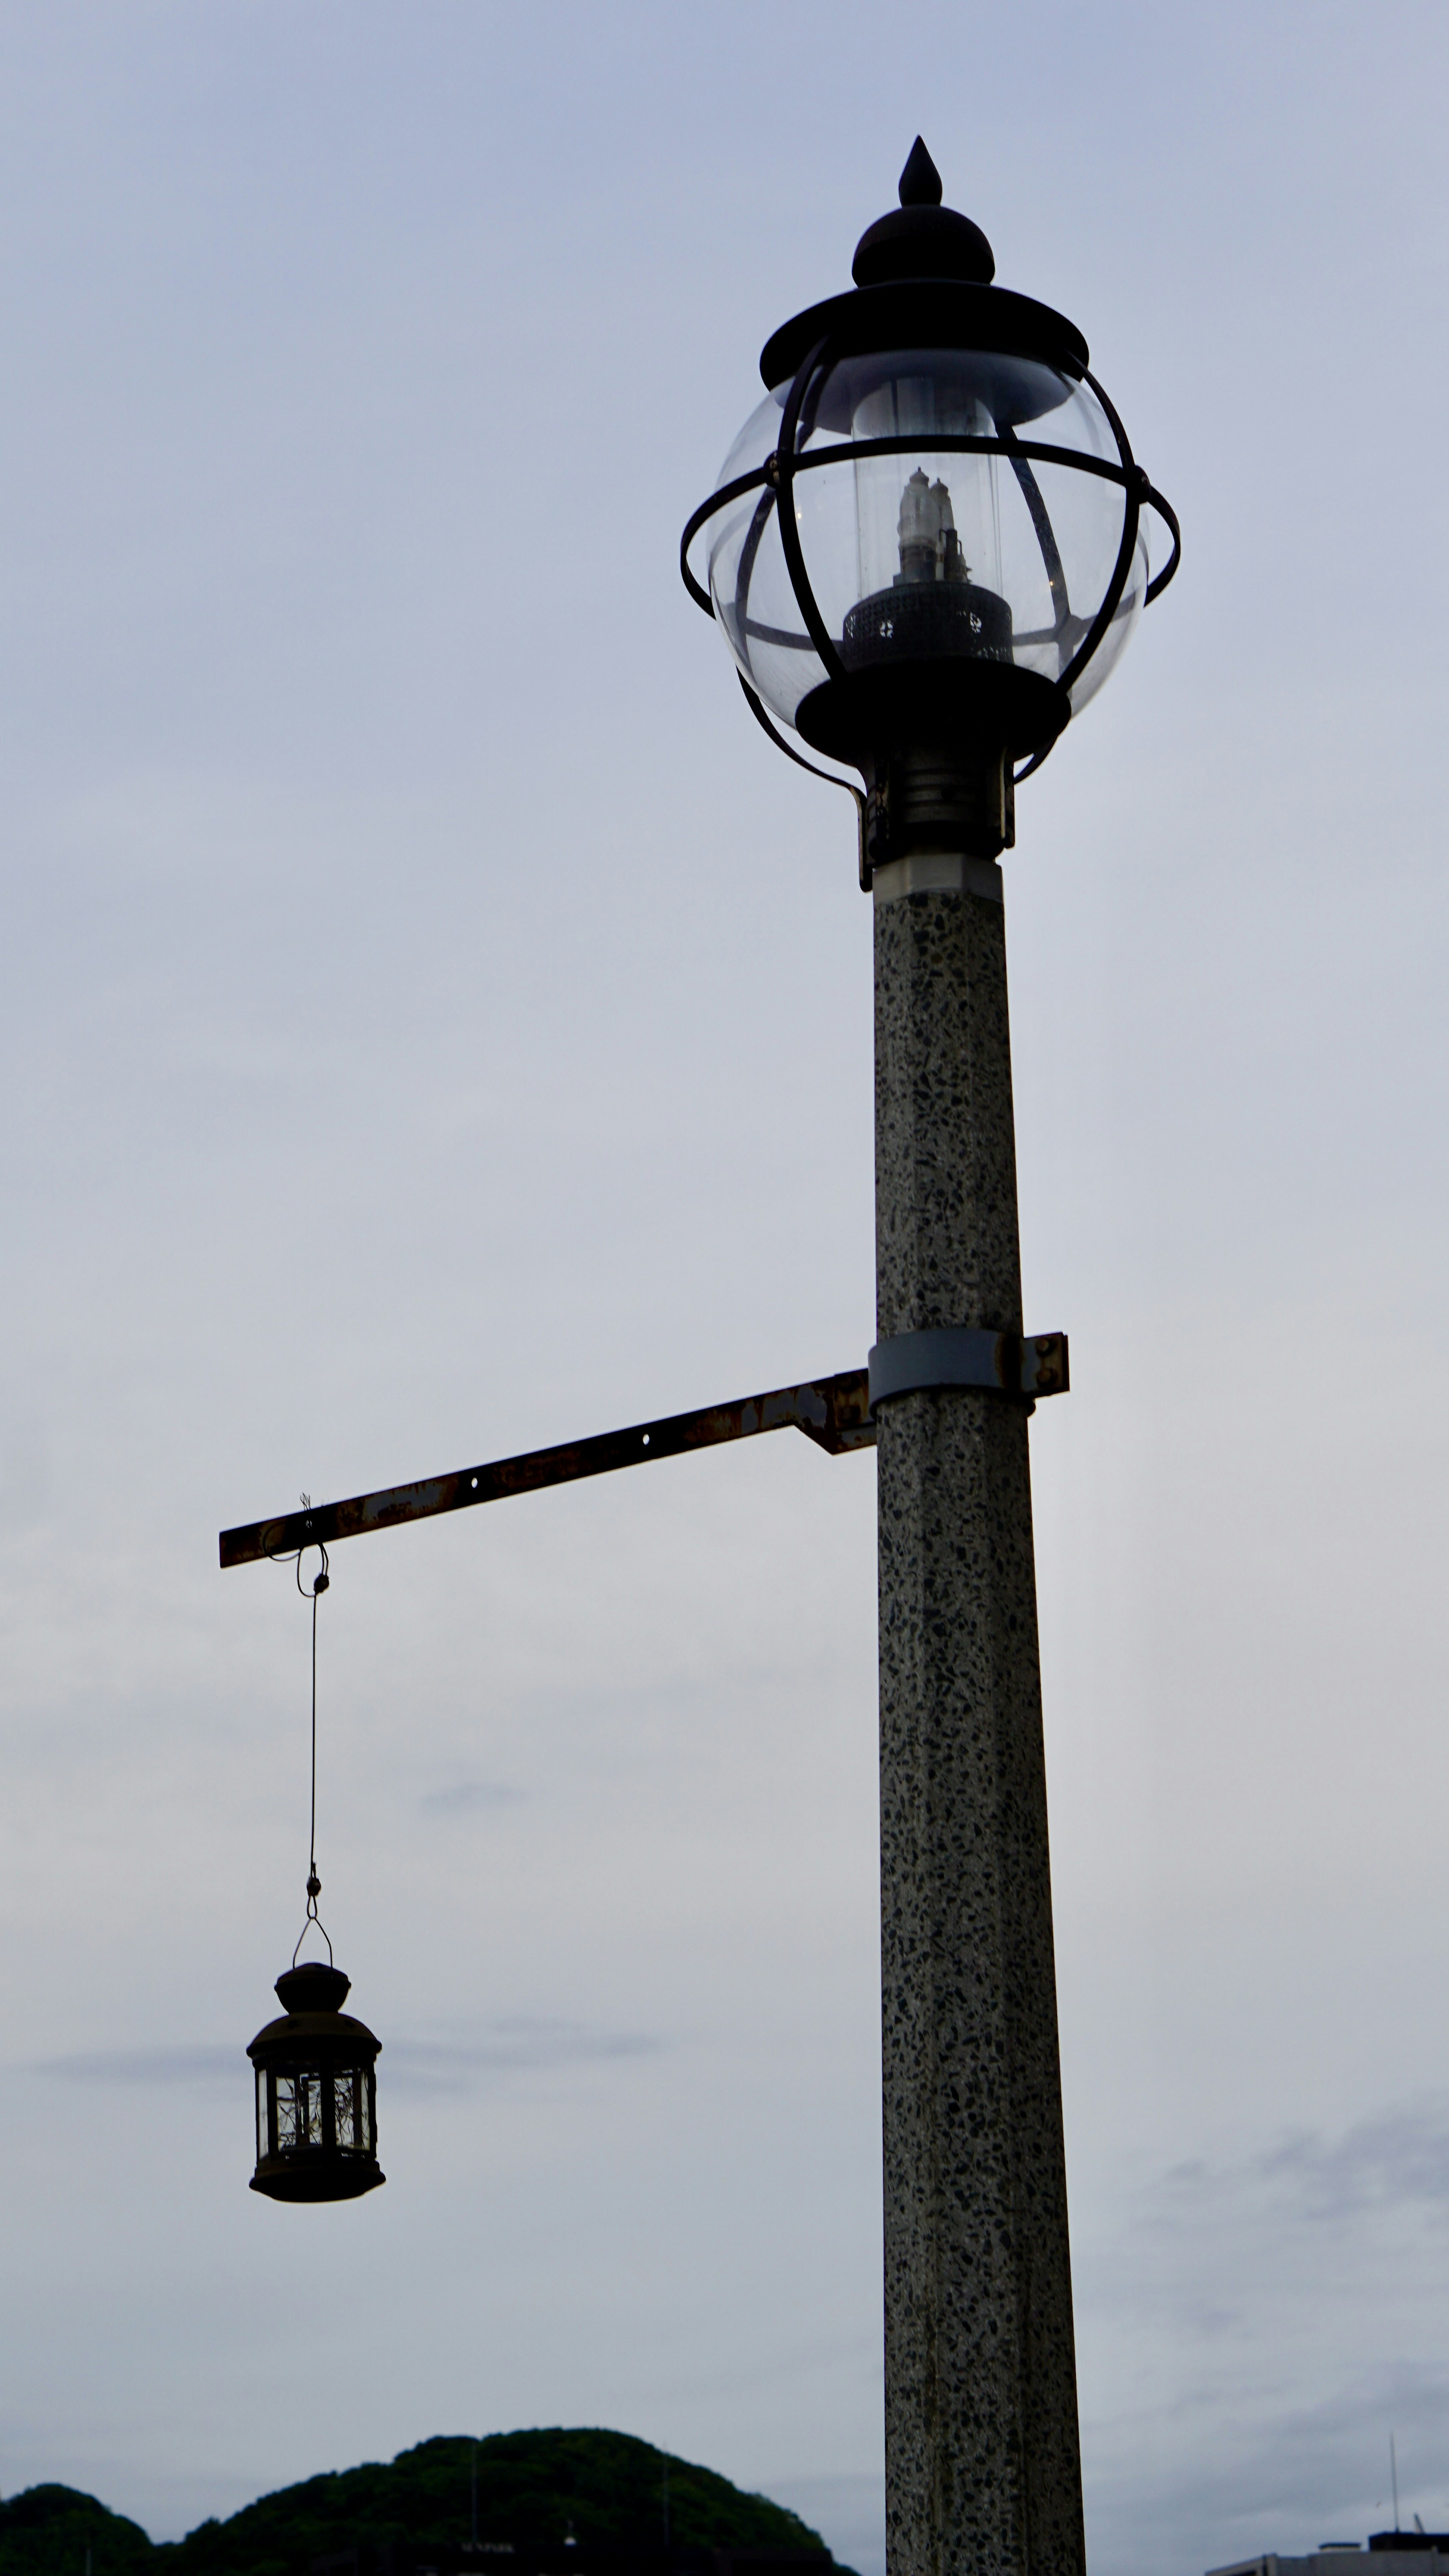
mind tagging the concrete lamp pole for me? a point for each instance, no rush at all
(981, 2409)
(926, 550)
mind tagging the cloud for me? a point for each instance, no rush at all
(1399, 2158)
(196, 2065)
(1263, 2321)
(442, 2066)
(1286, 2480)
(409, 2065)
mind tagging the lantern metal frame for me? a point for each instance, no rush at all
(917, 312)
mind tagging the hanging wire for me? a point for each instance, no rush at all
(320, 1584)
(314, 1883)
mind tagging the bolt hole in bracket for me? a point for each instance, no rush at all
(837, 1413)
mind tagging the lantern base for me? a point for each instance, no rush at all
(935, 746)
(965, 706)
(315, 2177)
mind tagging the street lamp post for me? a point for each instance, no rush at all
(923, 586)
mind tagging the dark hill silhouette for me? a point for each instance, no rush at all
(47, 2531)
(604, 2488)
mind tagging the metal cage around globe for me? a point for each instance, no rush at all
(933, 524)
(316, 2092)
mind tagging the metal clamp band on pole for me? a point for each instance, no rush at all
(956, 1355)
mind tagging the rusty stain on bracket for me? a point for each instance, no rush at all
(833, 1411)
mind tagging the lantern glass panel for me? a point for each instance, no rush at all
(1001, 557)
(748, 578)
(349, 2111)
(299, 2110)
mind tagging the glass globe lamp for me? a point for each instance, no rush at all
(316, 2092)
(930, 535)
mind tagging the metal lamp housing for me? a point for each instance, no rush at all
(931, 529)
(316, 2092)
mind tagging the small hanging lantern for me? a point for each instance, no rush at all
(316, 2084)
(316, 2092)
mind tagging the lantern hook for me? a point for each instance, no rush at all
(314, 1890)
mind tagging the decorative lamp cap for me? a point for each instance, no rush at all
(923, 238)
(314, 1987)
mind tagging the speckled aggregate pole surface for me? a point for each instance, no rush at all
(983, 2473)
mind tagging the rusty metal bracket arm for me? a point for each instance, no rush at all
(1006, 1363)
(832, 1411)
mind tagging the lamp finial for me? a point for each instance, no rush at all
(920, 183)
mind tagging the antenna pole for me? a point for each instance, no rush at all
(1394, 2474)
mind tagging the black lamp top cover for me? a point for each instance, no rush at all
(314, 1987)
(312, 1997)
(923, 280)
(922, 238)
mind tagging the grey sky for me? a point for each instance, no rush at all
(434, 1022)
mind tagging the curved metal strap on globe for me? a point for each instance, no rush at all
(1139, 493)
(787, 463)
(1018, 452)
(767, 723)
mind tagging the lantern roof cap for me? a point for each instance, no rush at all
(921, 237)
(315, 1986)
(312, 1995)
(923, 279)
